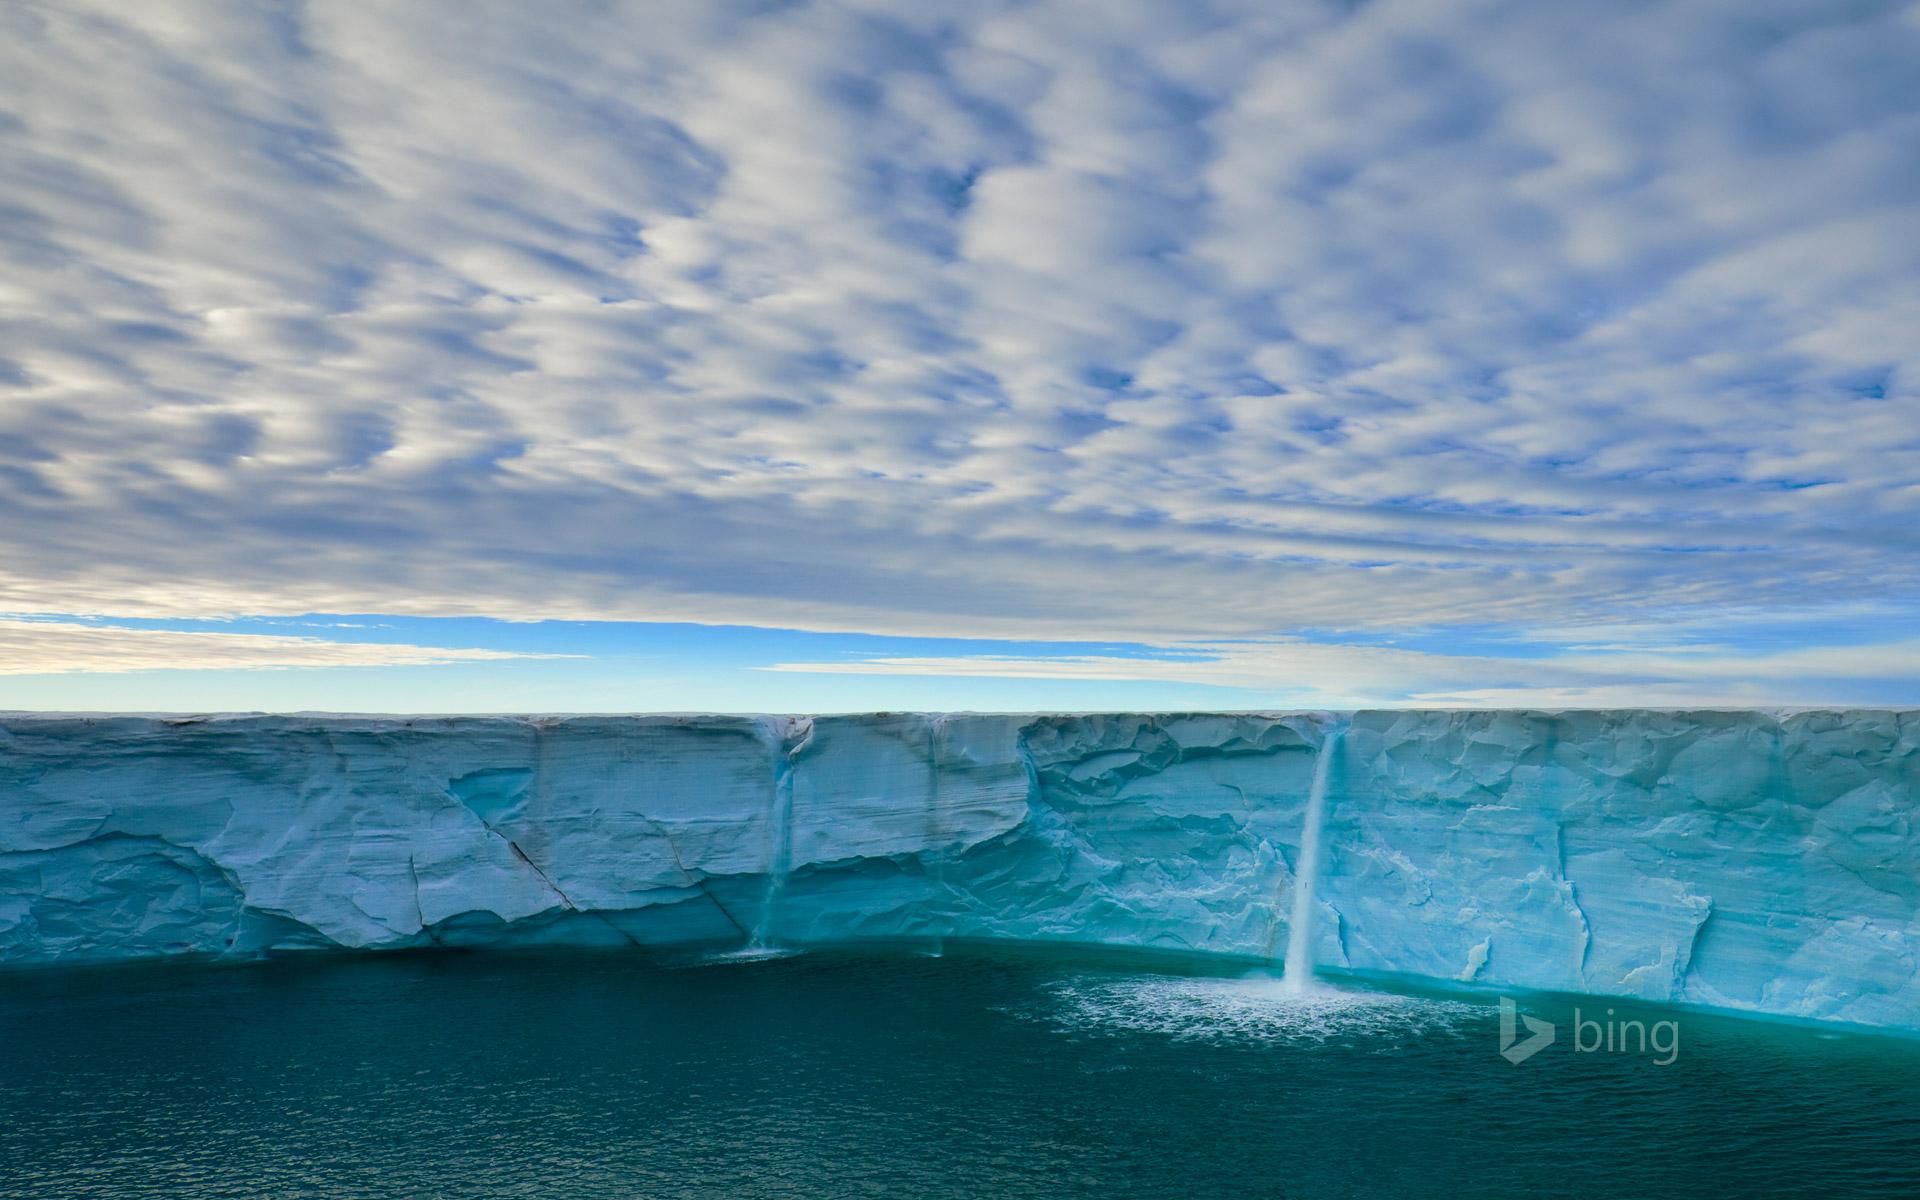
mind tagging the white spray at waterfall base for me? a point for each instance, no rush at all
(1297, 969)
(1243, 1011)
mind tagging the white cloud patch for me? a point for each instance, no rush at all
(1053, 320)
(32, 647)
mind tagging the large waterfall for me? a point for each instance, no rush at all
(1298, 970)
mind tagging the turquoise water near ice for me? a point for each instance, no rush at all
(980, 1073)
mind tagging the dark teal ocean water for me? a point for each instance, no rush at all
(973, 1074)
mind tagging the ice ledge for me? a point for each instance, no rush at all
(1761, 861)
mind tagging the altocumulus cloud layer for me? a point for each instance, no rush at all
(1169, 323)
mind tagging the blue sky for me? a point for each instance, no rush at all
(814, 357)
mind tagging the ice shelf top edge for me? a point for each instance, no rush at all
(184, 717)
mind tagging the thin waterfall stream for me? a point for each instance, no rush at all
(791, 740)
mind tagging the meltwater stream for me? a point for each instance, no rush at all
(1003, 1073)
(792, 738)
(1297, 967)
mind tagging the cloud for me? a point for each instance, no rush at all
(36, 647)
(1132, 321)
(1336, 675)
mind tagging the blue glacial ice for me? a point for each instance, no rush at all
(1740, 860)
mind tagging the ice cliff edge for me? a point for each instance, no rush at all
(1743, 860)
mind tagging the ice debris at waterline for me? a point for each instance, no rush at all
(1742, 860)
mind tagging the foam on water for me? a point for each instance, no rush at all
(1252, 1009)
(750, 953)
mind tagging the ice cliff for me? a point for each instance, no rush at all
(1736, 859)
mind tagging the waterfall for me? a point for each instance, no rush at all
(779, 830)
(1297, 967)
(936, 846)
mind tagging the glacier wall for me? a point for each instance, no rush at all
(1741, 860)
